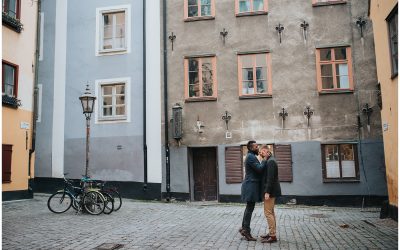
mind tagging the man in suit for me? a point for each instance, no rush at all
(271, 189)
(251, 188)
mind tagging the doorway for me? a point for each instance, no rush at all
(204, 165)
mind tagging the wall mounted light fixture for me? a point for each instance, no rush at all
(308, 112)
(361, 22)
(283, 115)
(280, 29)
(223, 33)
(227, 117)
(367, 110)
(304, 26)
(172, 38)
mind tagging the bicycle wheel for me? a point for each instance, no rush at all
(117, 199)
(76, 203)
(59, 202)
(109, 203)
(93, 202)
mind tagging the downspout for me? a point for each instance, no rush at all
(35, 98)
(144, 100)
(166, 120)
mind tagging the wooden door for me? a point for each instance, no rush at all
(205, 174)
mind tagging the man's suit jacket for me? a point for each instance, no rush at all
(270, 181)
(251, 184)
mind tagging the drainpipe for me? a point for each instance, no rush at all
(167, 163)
(35, 98)
(144, 100)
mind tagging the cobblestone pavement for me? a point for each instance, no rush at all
(157, 225)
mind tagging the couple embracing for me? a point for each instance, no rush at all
(261, 183)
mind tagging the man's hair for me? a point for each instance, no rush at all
(250, 144)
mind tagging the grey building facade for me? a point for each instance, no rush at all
(105, 45)
(254, 58)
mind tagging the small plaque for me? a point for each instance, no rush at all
(228, 135)
(385, 126)
(24, 125)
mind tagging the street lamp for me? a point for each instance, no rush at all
(87, 101)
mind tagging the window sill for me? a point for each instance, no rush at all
(6, 182)
(201, 99)
(393, 76)
(328, 3)
(254, 96)
(336, 91)
(12, 23)
(112, 120)
(199, 18)
(255, 13)
(341, 181)
(112, 52)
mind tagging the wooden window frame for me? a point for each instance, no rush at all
(199, 17)
(330, 2)
(6, 147)
(18, 10)
(333, 62)
(251, 12)
(269, 76)
(215, 84)
(340, 179)
(389, 18)
(16, 73)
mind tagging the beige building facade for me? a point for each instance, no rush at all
(18, 68)
(383, 14)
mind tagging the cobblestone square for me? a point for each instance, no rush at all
(29, 224)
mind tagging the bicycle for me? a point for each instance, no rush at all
(108, 199)
(90, 201)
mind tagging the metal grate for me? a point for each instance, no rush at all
(319, 215)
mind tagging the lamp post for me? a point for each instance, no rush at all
(87, 101)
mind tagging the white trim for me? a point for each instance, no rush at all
(153, 93)
(39, 103)
(99, 12)
(98, 84)
(41, 36)
(60, 57)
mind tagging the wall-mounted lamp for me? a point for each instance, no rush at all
(280, 29)
(283, 115)
(223, 33)
(199, 125)
(227, 117)
(177, 122)
(361, 22)
(308, 112)
(367, 110)
(304, 26)
(172, 38)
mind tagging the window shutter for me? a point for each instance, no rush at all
(233, 165)
(6, 161)
(283, 156)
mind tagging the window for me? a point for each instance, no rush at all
(199, 9)
(254, 71)
(251, 7)
(113, 30)
(12, 8)
(327, 2)
(6, 161)
(10, 79)
(393, 30)
(334, 69)
(113, 104)
(339, 162)
(200, 78)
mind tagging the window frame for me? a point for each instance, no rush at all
(100, 29)
(199, 17)
(268, 79)
(389, 18)
(186, 80)
(349, 63)
(16, 73)
(340, 179)
(98, 110)
(251, 12)
(329, 2)
(18, 9)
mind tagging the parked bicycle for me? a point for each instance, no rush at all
(81, 198)
(109, 207)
